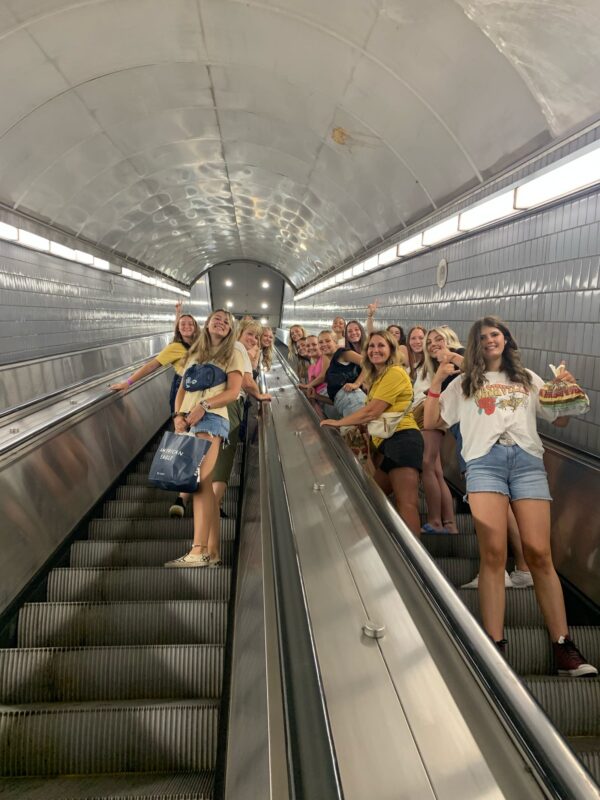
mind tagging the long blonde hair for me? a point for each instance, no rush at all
(290, 345)
(394, 359)
(202, 351)
(267, 352)
(430, 366)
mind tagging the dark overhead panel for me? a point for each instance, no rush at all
(247, 288)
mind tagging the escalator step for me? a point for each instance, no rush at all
(113, 529)
(150, 553)
(572, 704)
(123, 786)
(462, 545)
(149, 494)
(139, 509)
(76, 738)
(73, 675)
(458, 570)
(138, 583)
(158, 622)
(529, 651)
(521, 606)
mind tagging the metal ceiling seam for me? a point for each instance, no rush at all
(370, 57)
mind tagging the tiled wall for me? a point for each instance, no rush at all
(49, 305)
(540, 273)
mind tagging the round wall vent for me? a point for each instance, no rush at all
(442, 273)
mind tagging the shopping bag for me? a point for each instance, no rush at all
(175, 466)
(560, 398)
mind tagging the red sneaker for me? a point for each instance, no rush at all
(568, 660)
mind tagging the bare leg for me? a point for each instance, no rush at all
(206, 511)
(448, 518)
(405, 483)
(514, 539)
(433, 497)
(533, 518)
(490, 511)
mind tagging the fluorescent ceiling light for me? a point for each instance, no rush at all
(443, 230)
(387, 256)
(228, 283)
(101, 263)
(84, 258)
(8, 232)
(489, 211)
(576, 174)
(229, 304)
(346, 274)
(264, 305)
(33, 240)
(358, 269)
(61, 251)
(411, 245)
(371, 263)
(265, 284)
(263, 320)
(339, 278)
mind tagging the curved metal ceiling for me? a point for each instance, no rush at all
(294, 133)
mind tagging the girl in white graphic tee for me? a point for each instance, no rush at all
(496, 403)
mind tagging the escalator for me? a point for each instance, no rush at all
(113, 686)
(572, 704)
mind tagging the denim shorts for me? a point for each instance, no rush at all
(214, 424)
(348, 402)
(511, 471)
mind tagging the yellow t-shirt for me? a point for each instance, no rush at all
(174, 353)
(191, 399)
(394, 387)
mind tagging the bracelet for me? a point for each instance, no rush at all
(180, 414)
(130, 381)
(435, 395)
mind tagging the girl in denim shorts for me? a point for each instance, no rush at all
(212, 379)
(496, 403)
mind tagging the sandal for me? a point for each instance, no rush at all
(427, 528)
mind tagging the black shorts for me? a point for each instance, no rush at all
(403, 449)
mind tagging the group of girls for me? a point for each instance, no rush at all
(429, 384)
(214, 370)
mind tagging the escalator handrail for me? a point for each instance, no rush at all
(312, 766)
(555, 764)
(20, 439)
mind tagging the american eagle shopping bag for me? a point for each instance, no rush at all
(175, 466)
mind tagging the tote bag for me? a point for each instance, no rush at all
(176, 463)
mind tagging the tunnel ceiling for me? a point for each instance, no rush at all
(291, 132)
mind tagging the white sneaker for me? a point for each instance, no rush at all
(474, 584)
(521, 579)
(190, 560)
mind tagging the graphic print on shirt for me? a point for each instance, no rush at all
(502, 396)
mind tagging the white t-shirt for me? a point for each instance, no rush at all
(247, 364)
(420, 386)
(500, 406)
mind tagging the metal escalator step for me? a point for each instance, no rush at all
(137, 509)
(458, 570)
(149, 622)
(83, 674)
(149, 494)
(123, 786)
(572, 704)
(462, 545)
(521, 606)
(142, 553)
(76, 738)
(529, 651)
(113, 529)
(138, 583)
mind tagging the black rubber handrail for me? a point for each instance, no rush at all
(312, 766)
(555, 765)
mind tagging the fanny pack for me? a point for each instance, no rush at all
(385, 426)
(199, 377)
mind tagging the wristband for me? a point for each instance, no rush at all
(130, 381)
(435, 395)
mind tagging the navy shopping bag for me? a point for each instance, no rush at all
(175, 464)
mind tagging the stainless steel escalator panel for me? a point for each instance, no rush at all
(396, 727)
